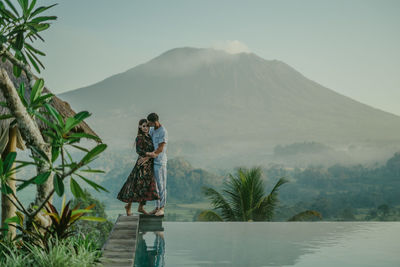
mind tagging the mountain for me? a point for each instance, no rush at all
(229, 109)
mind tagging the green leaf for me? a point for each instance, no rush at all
(1, 167)
(22, 165)
(84, 135)
(81, 211)
(55, 152)
(17, 71)
(24, 5)
(14, 219)
(12, 7)
(33, 62)
(34, 50)
(50, 124)
(41, 27)
(19, 42)
(3, 39)
(58, 185)
(37, 60)
(93, 184)
(93, 171)
(7, 14)
(25, 184)
(40, 153)
(80, 148)
(70, 123)
(82, 115)
(94, 152)
(93, 219)
(6, 116)
(37, 89)
(31, 6)
(21, 93)
(42, 178)
(55, 114)
(40, 10)
(44, 18)
(5, 189)
(43, 98)
(8, 162)
(73, 121)
(76, 189)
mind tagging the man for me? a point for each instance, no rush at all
(159, 135)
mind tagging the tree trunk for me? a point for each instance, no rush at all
(29, 130)
(7, 208)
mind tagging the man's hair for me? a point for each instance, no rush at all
(153, 117)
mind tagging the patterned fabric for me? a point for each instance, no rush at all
(140, 185)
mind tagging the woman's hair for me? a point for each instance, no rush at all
(140, 123)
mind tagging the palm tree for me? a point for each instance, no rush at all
(242, 198)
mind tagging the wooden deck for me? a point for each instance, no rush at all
(120, 248)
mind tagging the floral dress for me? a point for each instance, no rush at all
(140, 185)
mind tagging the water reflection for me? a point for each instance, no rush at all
(150, 249)
(269, 244)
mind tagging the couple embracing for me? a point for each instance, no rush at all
(148, 179)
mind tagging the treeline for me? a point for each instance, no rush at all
(184, 182)
(343, 192)
(338, 192)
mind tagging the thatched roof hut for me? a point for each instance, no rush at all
(61, 106)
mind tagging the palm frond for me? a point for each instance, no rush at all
(220, 203)
(266, 207)
(307, 215)
(209, 215)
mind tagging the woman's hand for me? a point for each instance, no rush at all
(141, 161)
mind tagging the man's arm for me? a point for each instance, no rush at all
(155, 153)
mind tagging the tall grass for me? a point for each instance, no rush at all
(76, 251)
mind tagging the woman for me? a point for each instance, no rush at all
(140, 185)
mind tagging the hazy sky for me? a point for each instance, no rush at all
(352, 47)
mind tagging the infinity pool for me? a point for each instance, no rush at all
(271, 244)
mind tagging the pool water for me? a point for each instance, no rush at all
(271, 244)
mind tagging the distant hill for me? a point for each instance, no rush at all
(229, 109)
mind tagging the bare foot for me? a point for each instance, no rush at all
(160, 212)
(141, 210)
(128, 209)
(153, 211)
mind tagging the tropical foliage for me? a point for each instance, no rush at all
(98, 231)
(77, 251)
(46, 235)
(242, 198)
(18, 31)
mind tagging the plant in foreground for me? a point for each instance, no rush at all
(243, 199)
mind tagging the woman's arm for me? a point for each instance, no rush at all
(140, 146)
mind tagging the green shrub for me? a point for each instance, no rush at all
(76, 251)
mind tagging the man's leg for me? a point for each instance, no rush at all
(163, 180)
(158, 176)
(163, 190)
